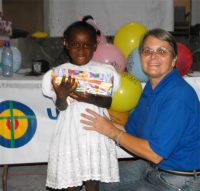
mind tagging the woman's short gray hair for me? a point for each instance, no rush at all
(161, 35)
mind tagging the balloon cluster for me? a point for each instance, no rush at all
(124, 56)
(126, 97)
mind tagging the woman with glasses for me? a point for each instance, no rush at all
(164, 128)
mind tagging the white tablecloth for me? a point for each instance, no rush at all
(26, 90)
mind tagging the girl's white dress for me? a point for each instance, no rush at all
(76, 154)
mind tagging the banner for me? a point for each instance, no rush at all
(27, 121)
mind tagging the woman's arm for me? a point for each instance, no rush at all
(137, 146)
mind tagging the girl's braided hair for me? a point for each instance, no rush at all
(78, 25)
(82, 25)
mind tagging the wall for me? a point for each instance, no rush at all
(53, 16)
(48, 49)
(0, 5)
(194, 5)
(195, 12)
(24, 14)
(185, 3)
(110, 15)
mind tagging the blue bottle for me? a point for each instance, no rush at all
(7, 60)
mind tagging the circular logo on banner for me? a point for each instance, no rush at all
(17, 124)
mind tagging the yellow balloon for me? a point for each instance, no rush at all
(128, 94)
(118, 117)
(128, 37)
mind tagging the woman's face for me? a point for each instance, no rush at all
(80, 47)
(156, 58)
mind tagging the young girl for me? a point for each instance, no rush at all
(78, 156)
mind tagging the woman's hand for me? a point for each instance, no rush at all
(95, 122)
(136, 145)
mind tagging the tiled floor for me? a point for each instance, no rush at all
(32, 177)
(25, 177)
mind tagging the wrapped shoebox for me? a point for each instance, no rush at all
(88, 82)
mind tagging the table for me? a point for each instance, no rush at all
(29, 143)
(26, 100)
(24, 92)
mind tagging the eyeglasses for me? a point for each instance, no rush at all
(161, 52)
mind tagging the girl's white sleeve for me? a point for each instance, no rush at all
(116, 83)
(47, 88)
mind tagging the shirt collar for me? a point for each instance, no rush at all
(148, 89)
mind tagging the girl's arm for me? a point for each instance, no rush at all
(61, 104)
(63, 90)
(100, 101)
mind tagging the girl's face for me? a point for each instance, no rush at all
(80, 47)
(157, 58)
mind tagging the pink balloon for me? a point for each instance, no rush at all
(110, 54)
(101, 39)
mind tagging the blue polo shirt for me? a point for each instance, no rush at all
(169, 118)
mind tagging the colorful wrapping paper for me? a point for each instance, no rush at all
(88, 82)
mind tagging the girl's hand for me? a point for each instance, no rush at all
(84, 97)
(64, 89)
(100, 101)
(95, 122)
